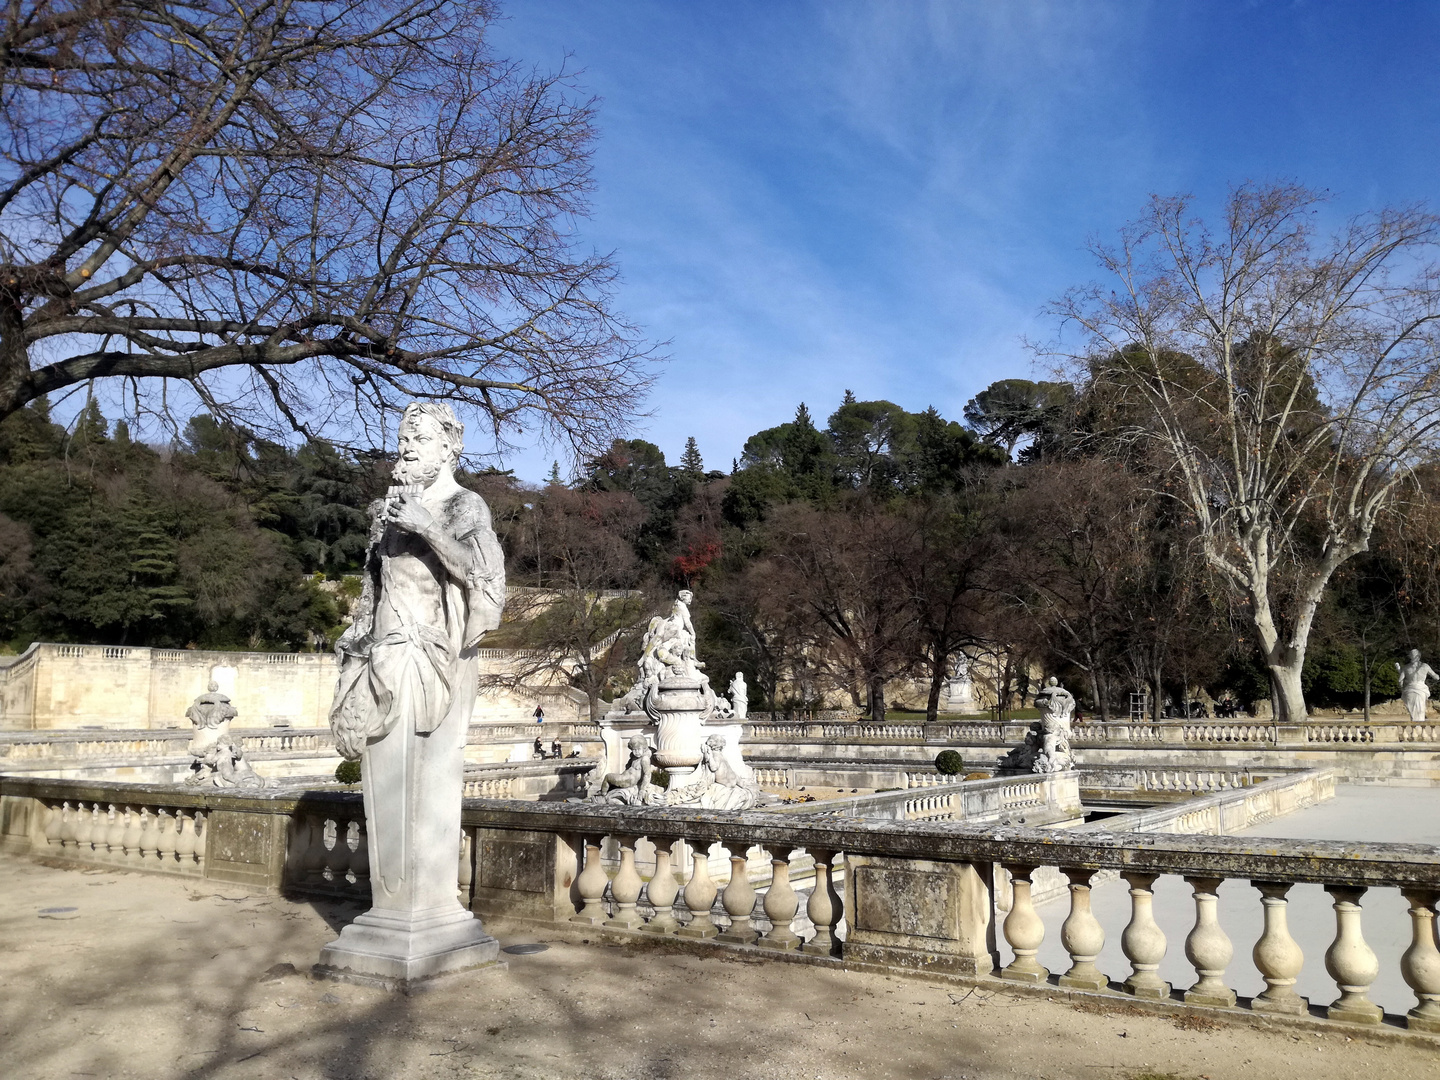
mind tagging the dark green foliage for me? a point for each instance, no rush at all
(1012, 409)
(638, 467)
(870, 446)
(206, 544)
(348, 772)
(691, 461)
(949, 762)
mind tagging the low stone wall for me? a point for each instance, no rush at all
(916, 896)
(1050, 799)
(160, 757)
(53, 686)
(1388, 751)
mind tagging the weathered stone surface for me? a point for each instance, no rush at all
(920, 914)
(245, 847)
(524, 874)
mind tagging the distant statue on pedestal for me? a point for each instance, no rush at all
(217, 757)
(739, 697)
(1047, 744)
(433, 585)
(1057, 706)
(959, 688)
(1414, 686)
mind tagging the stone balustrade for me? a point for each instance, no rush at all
(1145, 733)
(48, 750)
(1409, 750)
(1027, 799)
(129, 833)
(920, 895)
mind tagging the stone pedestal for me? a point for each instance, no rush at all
(959, 696)
(397, 949)
(417, 928)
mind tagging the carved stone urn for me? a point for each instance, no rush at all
(678, 704)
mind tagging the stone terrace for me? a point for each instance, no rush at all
(164, 978)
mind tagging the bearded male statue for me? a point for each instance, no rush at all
(434, 584)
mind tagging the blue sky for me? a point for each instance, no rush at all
(809, 197)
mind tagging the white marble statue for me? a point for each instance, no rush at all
(630, 786)
(1057, 706)
(1414, 686)
(218, 759)
(717, 784)
(668, 649)
(739, 697)
(959, 688)
(433, 585)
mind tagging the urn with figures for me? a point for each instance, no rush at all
(678, 706)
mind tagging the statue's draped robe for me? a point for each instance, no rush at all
(1414, 690)
(417, 673)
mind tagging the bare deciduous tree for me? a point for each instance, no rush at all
(838, 572)
(580, 556)
(303, 212)
(1293, 382)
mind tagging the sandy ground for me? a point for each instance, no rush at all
(160, 978)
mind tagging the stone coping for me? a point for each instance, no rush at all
(478, 732)
(1257, 858)
(1151, 818)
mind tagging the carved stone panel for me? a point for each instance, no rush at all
(908, 902)
(245, 848)
(516, 865)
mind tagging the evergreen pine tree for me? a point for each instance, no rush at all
(849, 398)
(691, 460)
(555, 473)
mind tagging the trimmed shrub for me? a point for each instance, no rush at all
(949, 762)
(348, 772)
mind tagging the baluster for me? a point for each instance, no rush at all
(1143, 941)
(55, 825)
(1350, 961)
(1082, 935)
(466, 877)
(739, 902)
(625, 889)
(700, 895)
(1421, 963)
(1208, 947)
(1023, 929)
(165, 838)
(591, 885)
(69, 823)
(337, 860)
(131, 839)
(185, 842)
(1276, 954)
(781, 903)
(316, 853)
(202, 836)
(360, 859)
(147, 832)
(115, 834)
(661, 892)
(84, 828)
(823, 908)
